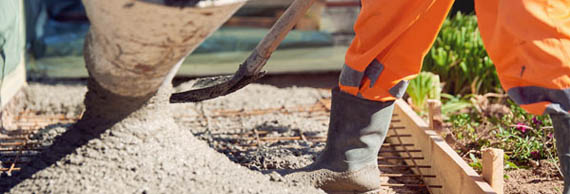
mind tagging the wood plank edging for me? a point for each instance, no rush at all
(452, 172)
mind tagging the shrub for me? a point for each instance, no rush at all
(459, 58)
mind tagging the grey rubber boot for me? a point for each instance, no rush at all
(349, 163)
(561, 124)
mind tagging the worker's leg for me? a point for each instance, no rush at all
(561, 124)
(529, 42)
(392, 38)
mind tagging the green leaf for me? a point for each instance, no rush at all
(458, 55)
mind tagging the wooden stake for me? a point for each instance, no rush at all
(493, 168)
(435, 117)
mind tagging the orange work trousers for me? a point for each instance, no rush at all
(528, 40)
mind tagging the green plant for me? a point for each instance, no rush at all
(463, 126)
(452, 104)
(459, 58)
(524, 137)
(529, 137)
(508, 164)
(475, 163)
(425, 86)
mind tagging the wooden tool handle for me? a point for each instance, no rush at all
(276, 35)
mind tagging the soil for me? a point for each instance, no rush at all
(543, 179)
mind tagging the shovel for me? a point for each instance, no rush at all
(250, 70)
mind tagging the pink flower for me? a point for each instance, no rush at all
(535, 154)
(550, 135)
(536, 121)
(521, 127)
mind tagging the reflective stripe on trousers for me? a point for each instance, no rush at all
(392, 38)
(350, 80)
(538, 99)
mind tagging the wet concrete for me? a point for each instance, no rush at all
(180, 148)
(145, 153)
(220, 132)
(229, 124)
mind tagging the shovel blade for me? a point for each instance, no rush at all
(213, 87)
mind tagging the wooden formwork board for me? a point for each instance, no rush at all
(452, 172)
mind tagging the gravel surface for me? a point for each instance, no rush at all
(229, 124)
(64, 99)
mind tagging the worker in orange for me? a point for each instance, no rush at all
(528, 40)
